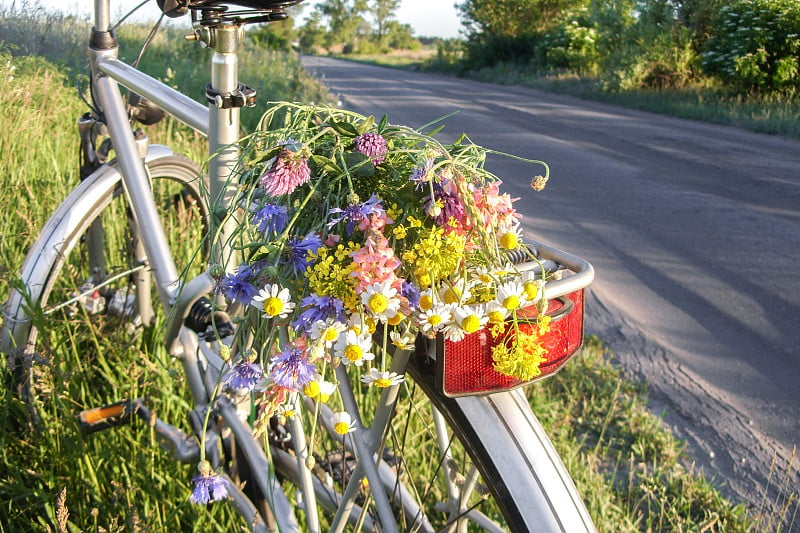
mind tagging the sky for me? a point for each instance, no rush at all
(427, 18)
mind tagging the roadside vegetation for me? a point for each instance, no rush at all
(631, 471)
(734, 62)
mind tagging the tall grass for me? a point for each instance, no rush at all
(772, 113)
(34, 31)
(626, 465)
(119, 480)
(112, 481)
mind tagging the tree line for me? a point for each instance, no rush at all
(747, 44)
(342, 26)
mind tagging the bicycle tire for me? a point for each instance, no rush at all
(64, 233)
(511, 448)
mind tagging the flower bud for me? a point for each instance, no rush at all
(538, 183)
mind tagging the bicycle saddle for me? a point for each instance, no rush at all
(178, 8)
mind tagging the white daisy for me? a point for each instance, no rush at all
(319, 389)
(274, 301)
(496, 313)
(435, 318)
(426, 300)
(504, 272)
(403, 341)
(510, 238)
(470, 318)
(382, 379)
(511, 295)
(381, 300)
(343, 423)
(532, 285)
(354, 348)
(482, 275)
(455, 293)
(285, 411)
(326, 331)
(357, 325)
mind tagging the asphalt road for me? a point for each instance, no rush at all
(694, 232)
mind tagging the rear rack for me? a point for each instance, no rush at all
(574, 273)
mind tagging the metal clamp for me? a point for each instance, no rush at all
(243, 96)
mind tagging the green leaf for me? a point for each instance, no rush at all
(366, 124)
(436, 130)
(359, 164)
(327, 165)
(219, 214)
(344, 128)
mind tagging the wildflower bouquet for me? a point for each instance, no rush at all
(354, 226)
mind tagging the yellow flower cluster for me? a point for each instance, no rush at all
(331, 275)
(436, 255)
(522, 359)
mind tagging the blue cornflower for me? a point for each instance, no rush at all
(410, 292)
(238, 287)
(208, 487)
(271, 219)
(422, 174)
(244, 375)
(324, 308)
(299, 249)
(356, 213)
(291, 369)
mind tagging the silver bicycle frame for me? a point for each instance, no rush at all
(221, 126)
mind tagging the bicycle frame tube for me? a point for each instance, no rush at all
(223, 134)
(137, 186)
(221, 126)
(177, 104)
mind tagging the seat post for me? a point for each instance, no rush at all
(224, 128)
(102, 18)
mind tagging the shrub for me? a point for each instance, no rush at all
(570, 46)
(756, 45)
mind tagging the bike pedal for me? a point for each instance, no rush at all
(108, 416)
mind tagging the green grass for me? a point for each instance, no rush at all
(628, 467)
(631, 471)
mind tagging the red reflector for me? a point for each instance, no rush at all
(465, 367)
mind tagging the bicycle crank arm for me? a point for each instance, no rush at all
(174, 440)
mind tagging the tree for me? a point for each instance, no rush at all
(698, 17)
(399, 37)
(345, 19)
(278, 35)
(756, 44)
(275, 35)
(517, 31)
(312, 33)
(383, 11)
(514, 18)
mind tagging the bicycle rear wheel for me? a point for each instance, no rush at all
(84, 286)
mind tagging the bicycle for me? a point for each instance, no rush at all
(82, 265)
